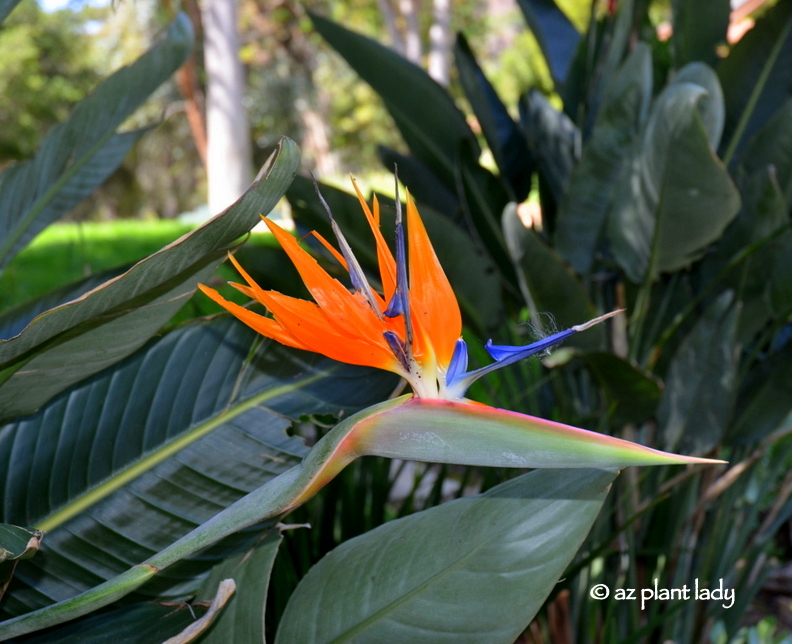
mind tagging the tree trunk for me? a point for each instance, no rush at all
(440, 42)
(412, 33)
(229, 151)
(389, 17)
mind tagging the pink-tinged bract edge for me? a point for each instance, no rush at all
(473, 434)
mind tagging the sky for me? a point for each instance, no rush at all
(55, 5)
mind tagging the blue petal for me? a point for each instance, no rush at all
(459, 363)
(399, 302)
(505, 354)
(398, 348)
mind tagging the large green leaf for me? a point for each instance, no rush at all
(548, 284)
(473, 570)
(15, 319)
(699, 27)
(764, 404)
(503, 135)
(744, 258)
(432, 126)
(555, 34)
(631, 393)
(139, 455)
(764, 176)
(242, 620)
(407, 428)
(482, 197)
(424, 185)
(701, 382)
(771, 147)
(589, 194)
(710, 104)
(78, 155)
(675, 197)
(16, 542)
(616, 43)
(553, 139)
(757, 76)
(142, 623)
(79, 338)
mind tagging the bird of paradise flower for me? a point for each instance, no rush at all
(413, 328)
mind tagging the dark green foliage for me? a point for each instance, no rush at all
(667, 187)
(557, 36)
(443, 557)
(131, 441)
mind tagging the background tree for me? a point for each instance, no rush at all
(229, 157)
(47, 66)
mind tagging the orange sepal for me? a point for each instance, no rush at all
(331, 296)
(330, 248)
(387, 264)
(306, 322)
(263, 325)
(432, 299)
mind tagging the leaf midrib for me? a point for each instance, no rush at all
(132, 471)
(349, 635)
(43, 201)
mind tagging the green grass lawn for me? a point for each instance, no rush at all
(64, 253)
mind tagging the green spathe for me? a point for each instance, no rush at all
(473, 434)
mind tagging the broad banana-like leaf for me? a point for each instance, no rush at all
(79, 154)
(617, 46)
(81, 337)
(549, 286)
(756, 77)
(675, 196)
(710, 105)
(765, 403)
(142, 623)
(16, 542)
(425, 186)
(592, 183)
(504, 137)
(772, 146)
(556, 35)
(472, 570)
(702, 381)
(432, 125)
(242, 619)
(407, 428)
(16, 318)
(632, 393)
(123, 465)
(699, 27)
(483, 198)
(553, 139)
